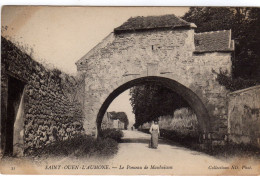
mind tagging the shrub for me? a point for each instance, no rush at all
(104, 147)
(187, 139)
(79, 146)
(112, 133)
(236, 150)
(234, 84)
(184, 122)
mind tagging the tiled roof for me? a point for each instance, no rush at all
(153, 22)
(213, 41)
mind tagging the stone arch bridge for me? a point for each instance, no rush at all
(164, 50)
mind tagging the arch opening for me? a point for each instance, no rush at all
(188, 95)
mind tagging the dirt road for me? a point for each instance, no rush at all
(168, 158)
(134, 157)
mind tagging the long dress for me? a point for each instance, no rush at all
(154, 130)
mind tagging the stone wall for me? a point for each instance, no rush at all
(166, 53)
(4, 88)
(244, 116)
(50, 100)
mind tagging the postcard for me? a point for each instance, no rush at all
(130, 90)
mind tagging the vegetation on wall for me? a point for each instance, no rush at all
(234, 84)
(245, 25)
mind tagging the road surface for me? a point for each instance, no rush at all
(134, 157)
(134, 152)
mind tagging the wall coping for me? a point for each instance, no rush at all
(244, 90)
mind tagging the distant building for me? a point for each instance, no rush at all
(109, 121)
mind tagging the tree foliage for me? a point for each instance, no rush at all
(121, 116)
(234, 84)
(245, 26)
(152, 101)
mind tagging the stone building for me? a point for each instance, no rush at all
(110, 120)
(164, 50)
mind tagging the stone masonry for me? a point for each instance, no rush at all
(48, 108)
(244, 116)
(159, 52)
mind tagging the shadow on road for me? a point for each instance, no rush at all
(138, 137)
(145, 141)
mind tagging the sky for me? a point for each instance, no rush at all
(62, 35)
(59, 36)
(122, 104)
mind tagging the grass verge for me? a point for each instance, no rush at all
(83, 146)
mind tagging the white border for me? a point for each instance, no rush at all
(255, 3)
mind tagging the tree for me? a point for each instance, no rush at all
(244, 23)
(152, 101)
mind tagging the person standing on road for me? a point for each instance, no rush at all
(155, 132)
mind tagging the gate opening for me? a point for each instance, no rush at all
(15, 92)
(188, 95)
